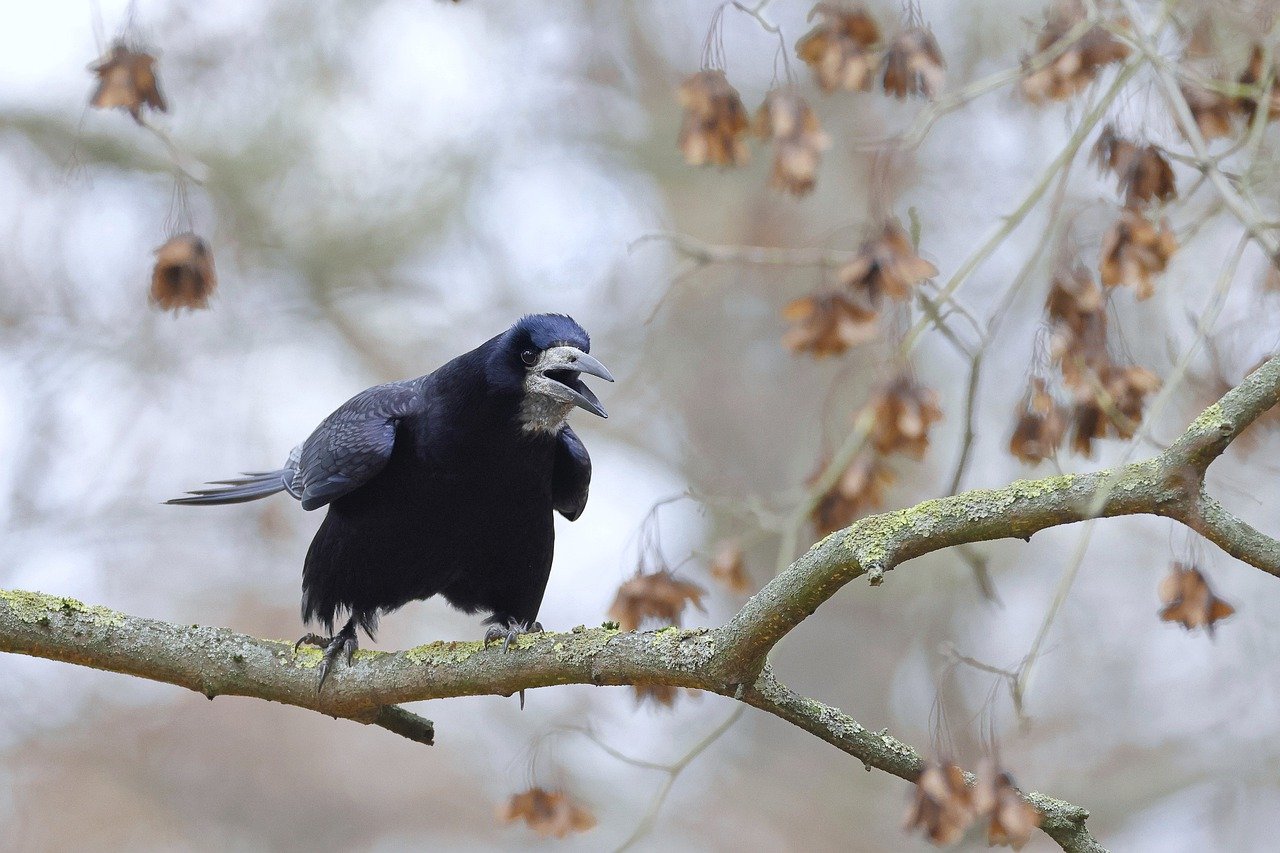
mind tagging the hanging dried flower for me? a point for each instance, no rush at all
(1078, 321)
(1134, 250)
(859, 490)
(841, 48)
(1189, 601)
(914, 65)
(1078, 65)
(1253, 75)
(886, 265)
(798, 140)
(1040, 426)
(828, 324)
(941, 804)
(659, 596)
(663, 695)
(715, 121)
(183, 275)
(1143, 172)
(903, 411)
(551, 814)
(1012, 818)
(1211, 110)
(1112, 403)
(127, 80)
(729, 568)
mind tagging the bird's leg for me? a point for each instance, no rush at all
(508, 634)
(342, 643)
(513, 630)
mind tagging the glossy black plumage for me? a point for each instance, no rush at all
(443, 485)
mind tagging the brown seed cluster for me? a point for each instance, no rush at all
(1106, 398)
(1254, 76)
(886, 265)
(658, 596)
(914, 65)
(662, 695)
(859, 490)
(1211, 110)
(1078, 64)
(902, 412)
(1076, 308)
(1041, 424)
(551, 814)
(1214, 111)
(127, 81)
(1134, 250)
(842, 49)
(1142, 171)
(1189, 601)
(1012, 818)
(798, 141)
(944, 806)
(941, 805)
(729, 568)
(715, 121)
(828, 323)
(183, 275)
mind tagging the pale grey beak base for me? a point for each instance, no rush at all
(574, 360)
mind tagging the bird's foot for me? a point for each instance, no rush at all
(342, 643)
(508, 634)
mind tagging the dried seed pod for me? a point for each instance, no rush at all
(659, 596)
(828, 324)
(914, 65)
(715, 121)
(729, 568)
(1134, 250)
(662, 695)
(886, 265)
(1012, 818)
(1254, 75)
(903, 410)
(127, 80)
(941, 804)
(183, 275)
(842, 48)
(1211, 110)
(1078, 320)
(859, 490)
(1040, 426)
(1078, 65)
(1189, 601)
(1143, 172)
(551, 814)
(798, 140)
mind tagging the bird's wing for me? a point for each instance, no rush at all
(571, 476)
(352, 444)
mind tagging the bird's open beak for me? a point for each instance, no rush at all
(562, 366)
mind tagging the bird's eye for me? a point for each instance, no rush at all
(529, 357)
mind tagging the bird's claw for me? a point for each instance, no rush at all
(508, 634)
(342, 643)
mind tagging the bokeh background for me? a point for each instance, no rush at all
(387, 184)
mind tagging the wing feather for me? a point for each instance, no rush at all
(353, 444)
(571, 475)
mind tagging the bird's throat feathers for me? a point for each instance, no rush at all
(542, 414)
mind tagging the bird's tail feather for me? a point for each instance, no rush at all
(250, 487)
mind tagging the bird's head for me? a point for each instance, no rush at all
(549, 352)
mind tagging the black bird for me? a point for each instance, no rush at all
(441, 485)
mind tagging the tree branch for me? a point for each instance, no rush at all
(728, 660)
